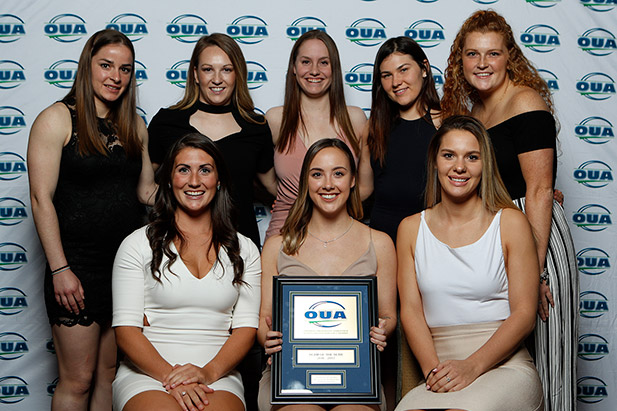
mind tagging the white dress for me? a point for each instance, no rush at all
(190, 319)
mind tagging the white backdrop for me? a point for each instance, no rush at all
(572, 42)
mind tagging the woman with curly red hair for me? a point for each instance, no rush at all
(489, 77)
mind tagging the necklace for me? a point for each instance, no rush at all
(209, 108)
(325, 243)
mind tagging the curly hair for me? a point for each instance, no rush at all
(458, 94)
(163, 229)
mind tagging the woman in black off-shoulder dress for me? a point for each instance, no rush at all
(487, 69)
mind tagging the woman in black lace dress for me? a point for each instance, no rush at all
(89, 170)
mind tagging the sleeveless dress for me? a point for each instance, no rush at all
(287, 265)
(465, 299)
(288, 166)
(399, 183)
(190, 319)
(245, 153)
(555, 340)
(97, 206)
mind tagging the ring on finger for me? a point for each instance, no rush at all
(448, 379)
(183, 393)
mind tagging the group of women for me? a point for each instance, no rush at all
(188, 301)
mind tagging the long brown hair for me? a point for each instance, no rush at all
(296, 225)
(491, 188)
(241, 99)
(292, 110)
(458, 94)
(122, 113)
(163, 228)
(384, 111)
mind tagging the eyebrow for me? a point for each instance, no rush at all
(112, 62)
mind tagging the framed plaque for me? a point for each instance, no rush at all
(326, 356)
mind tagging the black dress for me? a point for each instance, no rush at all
(556, 339)
(399, 183)
(246, 153)
(97, 206)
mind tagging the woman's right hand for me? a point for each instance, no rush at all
(273, 340)
(191, 397)
(68, 291)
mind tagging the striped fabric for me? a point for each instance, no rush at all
(556, 340)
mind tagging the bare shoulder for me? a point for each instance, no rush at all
(357, 117)
(142, 130)
(408, 229)
(513, 220)
(53, 123)
(274, 117)
(382, 241)
(275, 114)
(526, 99)
(272, 246)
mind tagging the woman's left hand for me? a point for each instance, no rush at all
(191, 397)
(452, 375)
(185, 374)
(378, 335)
(546, 298)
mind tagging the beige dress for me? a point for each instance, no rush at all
(288, 265)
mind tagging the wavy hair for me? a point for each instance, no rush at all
(491, 189)
(384, 111)
(163, 229)
(292, 110)
(296, 225)
(122, 113)
(458, 94)
(241, 98)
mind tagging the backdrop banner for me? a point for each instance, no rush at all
(571, 42)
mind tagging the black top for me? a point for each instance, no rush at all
(399, 183)
(97, 207)
(246, 153)
(530, 131)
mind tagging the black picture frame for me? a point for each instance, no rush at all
(326, 356)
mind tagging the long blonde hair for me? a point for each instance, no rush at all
(296, 225)
(241, 99)
(491, 189)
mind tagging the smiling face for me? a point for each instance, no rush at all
(330, 180)
(402, 79)
(194, 181)
(215, 76)
(459, 164)
(112, 70)
(485, 60)
(312, 68)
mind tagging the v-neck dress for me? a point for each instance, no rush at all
(190, 319)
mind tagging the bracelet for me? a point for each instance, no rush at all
(544, 276)
(59, 270)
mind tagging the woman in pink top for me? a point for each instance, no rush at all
(314, 108)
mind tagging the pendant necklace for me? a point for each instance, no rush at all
(325, 243)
